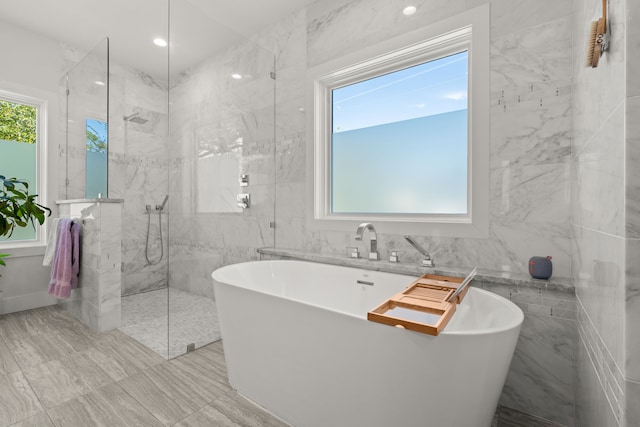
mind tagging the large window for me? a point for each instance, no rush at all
(400, 137)
(399, 141)
(21, 124)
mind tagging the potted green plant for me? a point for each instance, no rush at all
(18, 208)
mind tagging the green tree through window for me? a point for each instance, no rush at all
(18, 154)
(17, 122)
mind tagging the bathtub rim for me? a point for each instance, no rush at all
(515, 322)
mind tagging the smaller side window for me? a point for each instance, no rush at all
(21, 140)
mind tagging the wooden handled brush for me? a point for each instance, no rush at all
(597, 42)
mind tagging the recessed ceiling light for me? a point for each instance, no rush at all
(409, 10)
(236, 76)
(99, 83)
(159, 42)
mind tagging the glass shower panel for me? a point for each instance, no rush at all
(138, 170)
(221, 149)
(87, 116)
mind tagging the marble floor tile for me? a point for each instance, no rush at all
(17, 325)
(209, 358)
(40, 420)
(77, 336)
(117, 381)
(91, 370)
(127, 353)
(231, 410)
(207, 416)
(191, 319)
(151, 333)
(244, 413)
(204, 381)
(8, 363)
(506, 417)
(114, 367)
(54, 383)
(33, 350)
(110, 406)
(17, 399)
(163, 395)
(170, 379)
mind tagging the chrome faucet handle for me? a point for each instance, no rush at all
(394, 256)
(428, 262)
(353, 252)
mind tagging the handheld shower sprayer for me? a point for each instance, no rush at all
(159, 209)
(164, 202)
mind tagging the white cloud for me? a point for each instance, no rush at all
(456, 96)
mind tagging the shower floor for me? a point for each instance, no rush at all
(192, 319)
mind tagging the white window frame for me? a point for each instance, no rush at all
(467, 31)
(33, 247)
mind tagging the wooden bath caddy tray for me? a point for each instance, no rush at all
(424, 306)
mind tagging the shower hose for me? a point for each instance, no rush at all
(146, 249)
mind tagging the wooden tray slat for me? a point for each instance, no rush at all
(427, 298)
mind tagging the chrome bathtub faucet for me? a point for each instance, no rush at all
(427, 261)
(373, 239)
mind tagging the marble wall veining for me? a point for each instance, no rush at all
(530, 125)
(137, 163)
(221, 127)
(530, 157)
(605, 218)
(563, 178)
(96, 301)
(138, 174)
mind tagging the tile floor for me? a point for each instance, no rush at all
(192, 319)
(56, 372)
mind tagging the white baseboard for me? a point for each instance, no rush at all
(25, 302)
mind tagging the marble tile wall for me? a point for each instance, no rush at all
(96, 301)
(530, 176)
(221, 128)
(632, 215)
(137, 166)
(541, 379)
(605, 219)
(530, 142)
(138, 174)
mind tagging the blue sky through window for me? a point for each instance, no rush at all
(399, 142)
(423, 90)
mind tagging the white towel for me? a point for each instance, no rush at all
(52, 238)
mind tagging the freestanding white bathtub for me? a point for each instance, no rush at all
(298, 343)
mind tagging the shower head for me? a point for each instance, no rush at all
(135, 119)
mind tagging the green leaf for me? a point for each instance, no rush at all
(18, 208)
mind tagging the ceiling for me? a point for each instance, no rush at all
(197, 28)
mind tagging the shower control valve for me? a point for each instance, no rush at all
(244, 200)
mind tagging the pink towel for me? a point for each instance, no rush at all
(66, 260)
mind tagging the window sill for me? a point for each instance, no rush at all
(35, 249)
